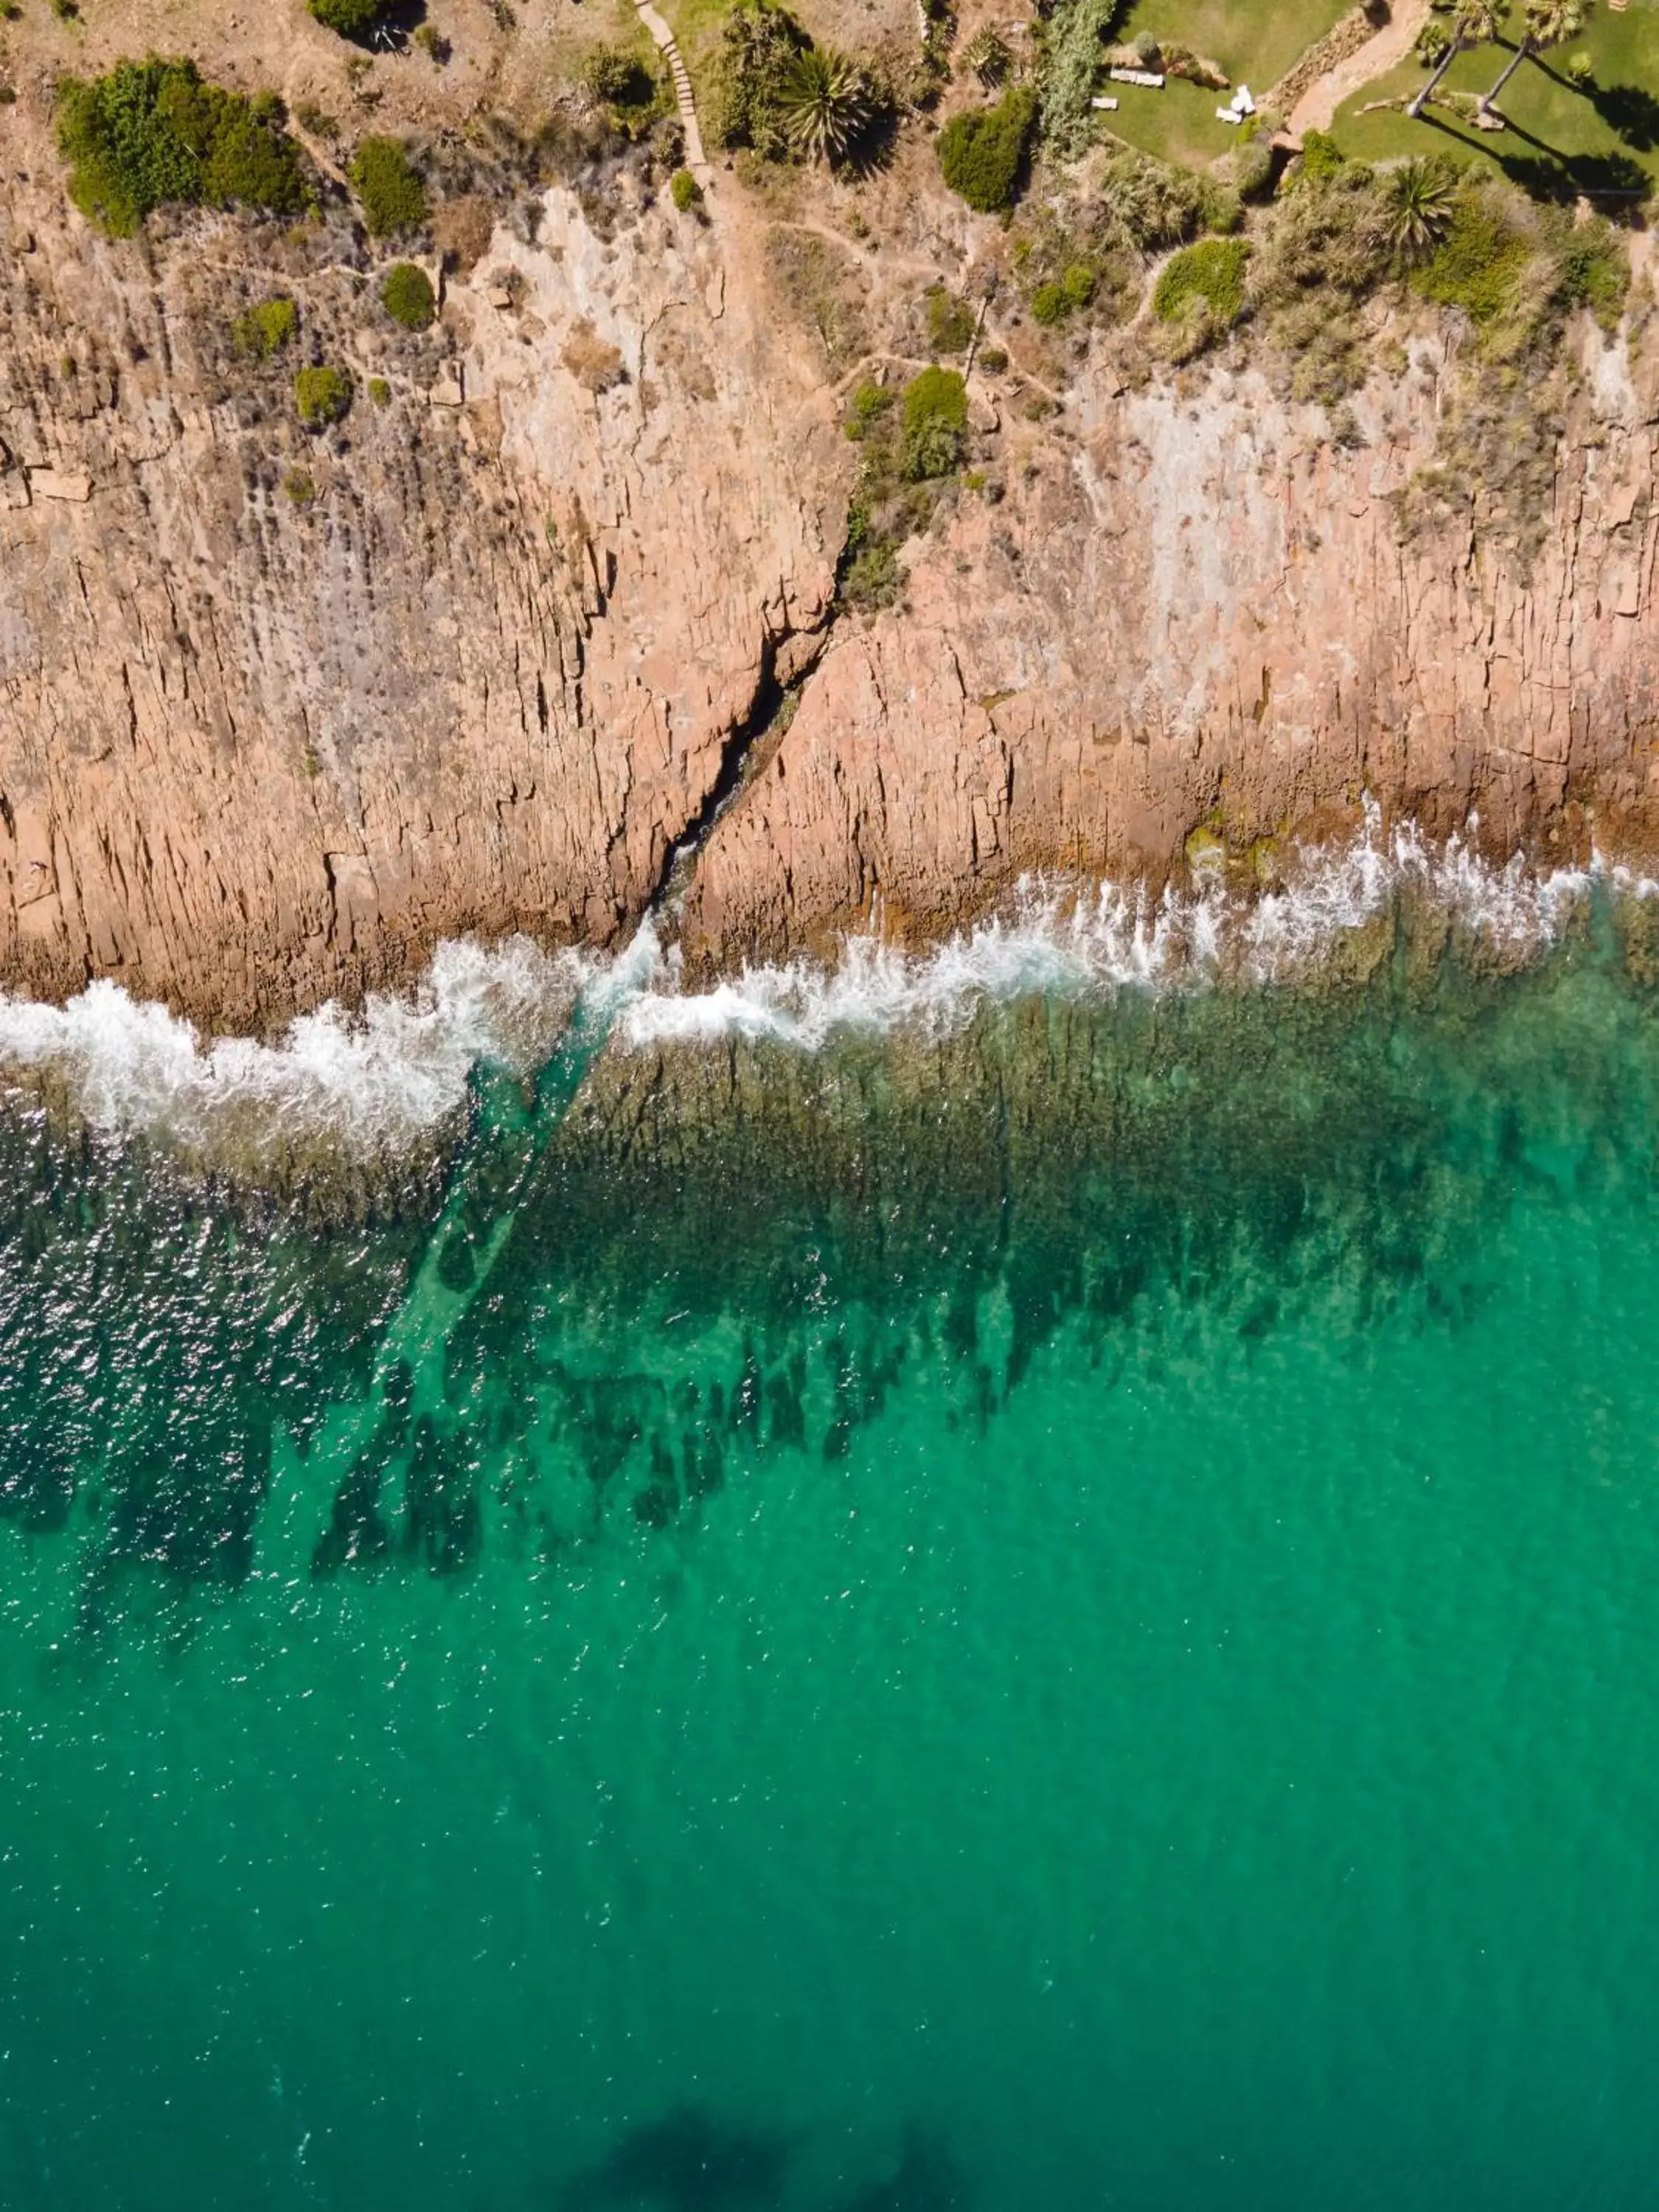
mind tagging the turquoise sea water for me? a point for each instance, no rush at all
(1057, 1617)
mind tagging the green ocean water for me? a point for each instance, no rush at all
(1057, 1616)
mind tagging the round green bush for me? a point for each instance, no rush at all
(1050, 304)
(684, 191)
(935, 420)
(982, 153)
(392, 196)
(408, 297)
(352, 19)
(1212, 271)
(265, 330)
(156, 133)
(322, 396)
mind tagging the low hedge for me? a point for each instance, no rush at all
(392, 196)
(322, 396)
(154, 134)
(408, 297)
(1212, 271)
(982, 153)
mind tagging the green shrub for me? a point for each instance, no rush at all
(392, 196)
(1252, 165)
(300, 486)
(1477, 264)
(993, 360)
(1212, 273)
(949, 322)
(982, 153)
(1581, 71)
(873, 578)
(759, 44)
(1052, 302)
(617, 77)
(684, 191)
(1322, 157)
(1159, 205)
(407, 296)
(1074, 43)
(352, 19)
(433, 44)
(322, 396)
(870, 402)
(153, 134)
(935, 421)
(1592, 270)
(380, 391)
(265, 330)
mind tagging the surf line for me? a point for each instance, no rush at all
(506, 1149)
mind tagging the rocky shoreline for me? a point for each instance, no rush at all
(567, 607)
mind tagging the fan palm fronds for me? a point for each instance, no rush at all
(1420, 198)
(826, 105)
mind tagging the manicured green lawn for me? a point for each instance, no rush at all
(1558, 135)
(1254, 41)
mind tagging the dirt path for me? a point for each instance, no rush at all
(663, 39)
(1317, 109)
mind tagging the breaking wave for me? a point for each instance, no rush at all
(390, 1075)
(1068, 941)
(399, 1072)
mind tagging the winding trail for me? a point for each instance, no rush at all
(666, 43)
(1317, 109)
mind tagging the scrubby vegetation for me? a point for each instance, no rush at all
(949, 322)
(352, 19)
(914, 443)
(154, 134)
(619, 82)
(265, 328)
(322, 397)
(827, 103)
(982, 153)
(1209, 277)
(684, 191)
(935, 419)
(1074, 35)
(406, 295)
(392, 196)
(618, 78)
(787, 99)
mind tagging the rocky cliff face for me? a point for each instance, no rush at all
(1199, 610)
(276, 712)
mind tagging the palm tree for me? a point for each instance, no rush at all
(1420, 198)
(1549, 23)
(825, 103)
(986, 54)
(1474, 24)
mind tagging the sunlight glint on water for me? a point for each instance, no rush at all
(1049, 1604)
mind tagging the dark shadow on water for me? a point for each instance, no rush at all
(928, 2180)
(686, 2162)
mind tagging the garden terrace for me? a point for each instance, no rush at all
(1561, 139)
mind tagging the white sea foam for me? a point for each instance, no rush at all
(383, 1077)
(1077, 941)
(398, 1071)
